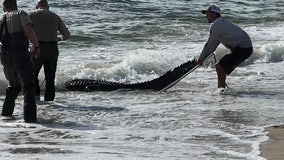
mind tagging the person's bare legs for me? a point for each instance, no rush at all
(221, 76)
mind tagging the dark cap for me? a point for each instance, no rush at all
(212, 8)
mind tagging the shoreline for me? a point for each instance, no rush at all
(273, 149)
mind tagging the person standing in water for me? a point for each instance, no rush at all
(46, 26)
(232, 37)
(16, 30)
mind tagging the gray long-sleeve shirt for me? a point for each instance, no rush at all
(230, 35)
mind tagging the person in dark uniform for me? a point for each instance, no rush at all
(16, 30)
(46, 26)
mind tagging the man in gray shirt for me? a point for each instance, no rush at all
(232, 37)
(46, 25)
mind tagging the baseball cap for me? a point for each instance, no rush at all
(212, 8)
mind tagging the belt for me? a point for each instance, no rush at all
(47, 42)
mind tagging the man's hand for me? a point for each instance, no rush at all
(199, 62)
(36, 52)
(59, 38)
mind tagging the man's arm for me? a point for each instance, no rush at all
(209, 47)
(32, 37)
(65, 33)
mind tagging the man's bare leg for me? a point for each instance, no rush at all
(221, 76)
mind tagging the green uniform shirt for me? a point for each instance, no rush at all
(46, 25)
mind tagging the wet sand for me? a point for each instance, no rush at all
(274, 148)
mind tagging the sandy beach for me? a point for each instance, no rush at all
(274, 148)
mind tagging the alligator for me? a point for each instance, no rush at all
(159, 83)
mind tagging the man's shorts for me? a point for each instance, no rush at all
(230, 61)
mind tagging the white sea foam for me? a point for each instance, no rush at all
(136, 41)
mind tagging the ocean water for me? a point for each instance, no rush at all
(138, 40)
